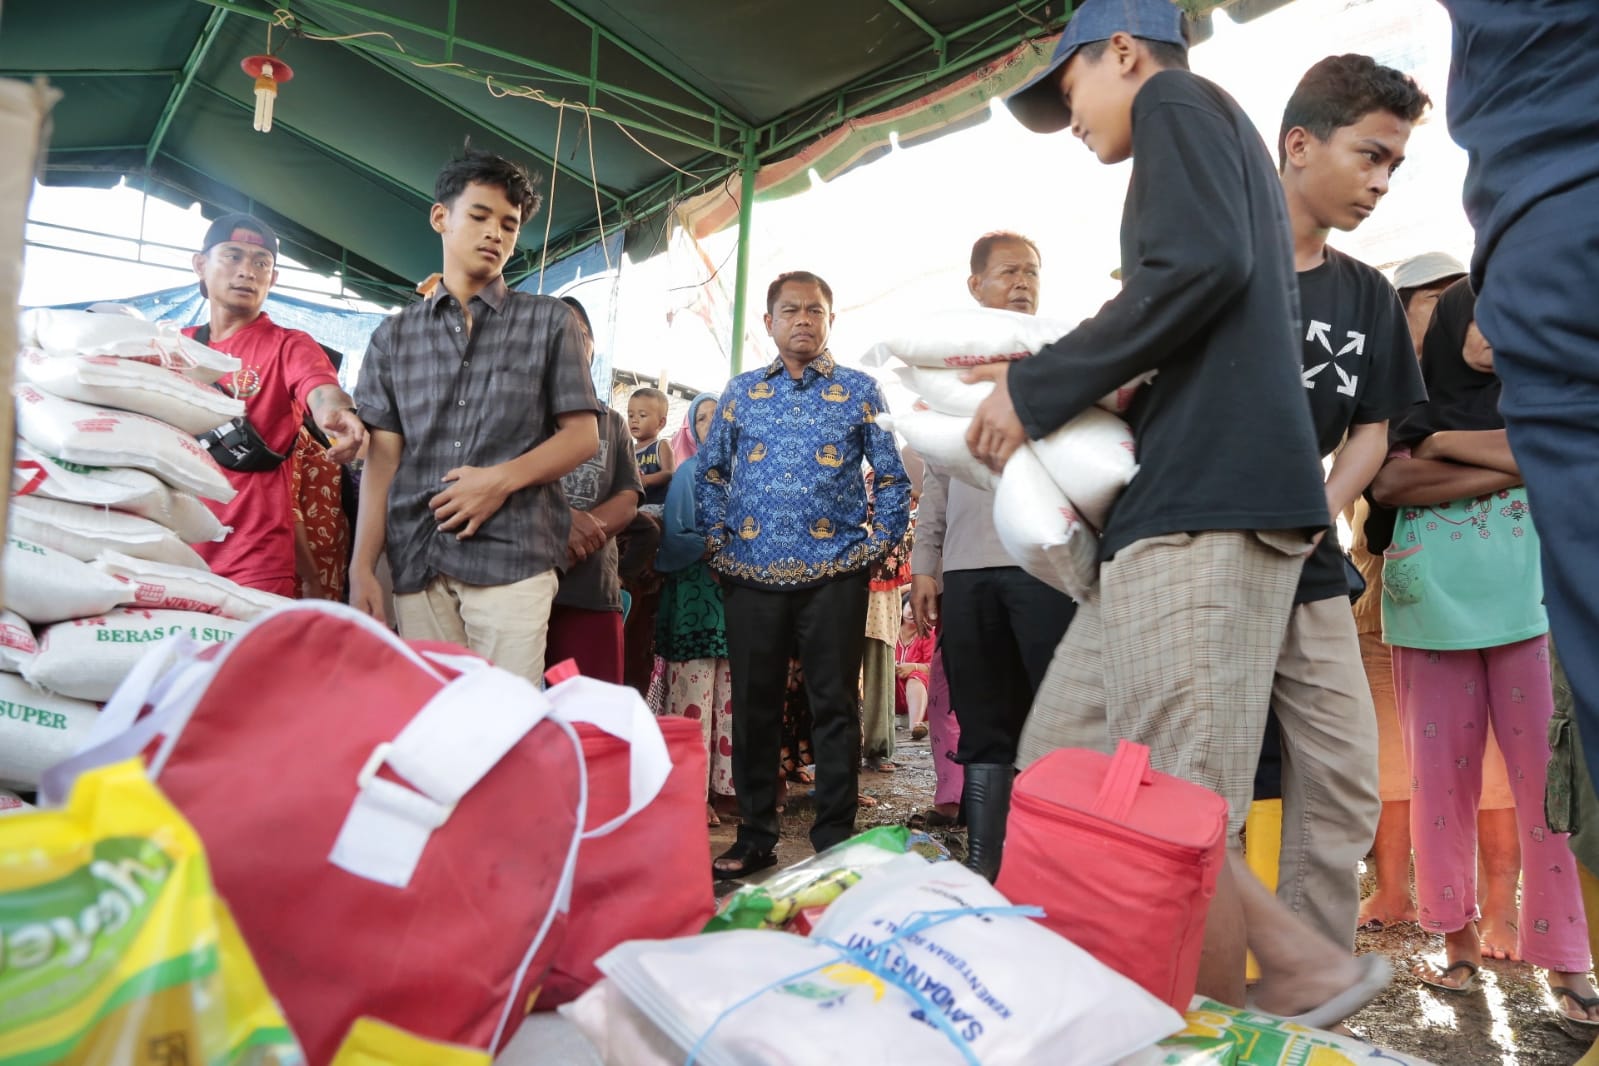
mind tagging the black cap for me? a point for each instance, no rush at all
(241, 229)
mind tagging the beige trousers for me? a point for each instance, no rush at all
(506, 624)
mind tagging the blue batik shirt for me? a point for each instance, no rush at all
(779, 489)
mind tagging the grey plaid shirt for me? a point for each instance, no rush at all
(478, 408)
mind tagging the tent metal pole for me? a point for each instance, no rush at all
(748, 168)
(191, 67)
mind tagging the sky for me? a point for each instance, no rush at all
(892, 237)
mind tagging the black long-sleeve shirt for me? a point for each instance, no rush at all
(1210, 301)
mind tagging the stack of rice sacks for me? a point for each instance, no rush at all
(106, 491)
(1055, 494)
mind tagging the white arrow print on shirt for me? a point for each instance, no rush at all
(1357, 344)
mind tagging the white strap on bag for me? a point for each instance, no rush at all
(620, 712)
(447, 748)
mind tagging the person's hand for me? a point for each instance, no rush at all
(586, 538)
(902, 670)
(474, 494)
(366, 594)
(924, 602)
(996, 431)
(345, 433)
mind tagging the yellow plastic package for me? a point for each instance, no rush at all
(114, 947)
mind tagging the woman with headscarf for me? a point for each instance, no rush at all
(1463, 609)
(690, 627)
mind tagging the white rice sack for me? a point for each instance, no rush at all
(44, 585)
(943, 390)
(75, 333)
(99, 436)
(17, 645)
(1119, 401)
(11, 803)
(940, 439)
(619, 1031)
(1039, 528)
(83, 532)
(33, 473)
(37, 730)
(87, 658)
(968, 336)
(129, 385)
(993, 988)
(156, 586)
(1091, 458)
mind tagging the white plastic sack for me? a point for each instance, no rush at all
(940, 439)
(968, 336)
(1041, 531)
(129, 385)
(996, 989)
(11, 803)
(87, 658)
(34, 473)
(75, 333)
(83, 532)
(44, 585)
(1091, 458)
(619, 1031)
(37, 730)
(99, 436)
(156, 586)
(943, 390)
(17, 646)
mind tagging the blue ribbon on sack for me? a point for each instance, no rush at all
(875, 960)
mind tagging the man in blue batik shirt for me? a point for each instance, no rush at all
(782, 503)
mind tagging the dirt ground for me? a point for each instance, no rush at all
(1508, 1020)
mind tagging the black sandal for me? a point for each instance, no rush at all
(749, 860)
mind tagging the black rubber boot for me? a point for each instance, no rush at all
(987, 801)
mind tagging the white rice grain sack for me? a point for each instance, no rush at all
(129, 385)
(99, 436)
(11, 803)
(940, 439)
(968, 336)
(943, 390)
(44, 585)
(1119, 401)
(1039, 528)
(37, 730)
(88, 658)
(33, 473)
(156, 586)
(17, 646)
(83, 532)
(76, 333)
(1091, 458)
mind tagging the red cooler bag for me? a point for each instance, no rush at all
(1122, 859)
(647, 877)
(396, 829)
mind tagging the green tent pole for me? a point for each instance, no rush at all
(747, 169)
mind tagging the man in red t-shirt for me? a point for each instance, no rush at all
(284, 374)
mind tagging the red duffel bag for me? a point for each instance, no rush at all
(1122, 859)
(396, 830)
(647, 877)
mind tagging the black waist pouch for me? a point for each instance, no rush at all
(237, 446)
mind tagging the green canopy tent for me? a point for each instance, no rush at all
(627, 110)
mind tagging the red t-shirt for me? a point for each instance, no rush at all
(281, 369)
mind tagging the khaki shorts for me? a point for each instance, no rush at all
(1176, 649)
(509, 625)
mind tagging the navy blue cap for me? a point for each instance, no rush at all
(1038, 106)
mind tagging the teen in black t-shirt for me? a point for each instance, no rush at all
(1177, 647)
(1344, 133)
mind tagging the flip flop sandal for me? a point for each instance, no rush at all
(1587, 1003)
(742, 859)
(1423, 972)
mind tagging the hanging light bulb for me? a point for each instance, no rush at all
(269, 72)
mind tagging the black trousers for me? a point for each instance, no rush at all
(827, 627)
(1000, 629)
